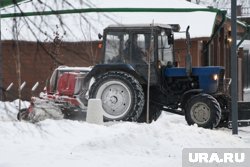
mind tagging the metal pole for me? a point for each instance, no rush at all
(149, 70)
(148, 87)
(1, 60)
(18, 59)
(234, 92)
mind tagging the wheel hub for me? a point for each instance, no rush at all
(113, 99)
(200, 113)
(116, 98)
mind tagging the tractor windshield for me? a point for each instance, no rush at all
(114, 46)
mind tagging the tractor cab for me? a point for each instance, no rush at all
(139, 46)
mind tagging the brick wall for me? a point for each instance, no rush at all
(181, 52)
(39, 60)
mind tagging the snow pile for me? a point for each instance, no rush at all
(72, 143)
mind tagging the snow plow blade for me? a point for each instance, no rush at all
(63, 97)
(40, 111)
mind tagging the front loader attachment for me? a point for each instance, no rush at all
(62, 97)
(243, 114)
(244, 110)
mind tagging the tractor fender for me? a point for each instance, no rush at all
(187, 95)
(104, 68)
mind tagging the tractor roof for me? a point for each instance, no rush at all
(174, 27)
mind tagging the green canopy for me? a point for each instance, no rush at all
(5, 3)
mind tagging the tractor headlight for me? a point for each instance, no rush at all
(215, 77)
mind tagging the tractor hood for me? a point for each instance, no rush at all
(196, 71)
(210, 78)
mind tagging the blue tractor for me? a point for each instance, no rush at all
(139, 77)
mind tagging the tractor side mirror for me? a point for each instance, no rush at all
(100, 36)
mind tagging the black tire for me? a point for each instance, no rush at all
(203, 110)
(154, 113)
(225, 104)
(121, 94)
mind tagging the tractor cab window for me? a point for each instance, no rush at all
(138, 48)
(138, 45)
(133, 48)
(115, 44)
(165, 48)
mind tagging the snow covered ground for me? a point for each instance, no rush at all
(66, 143)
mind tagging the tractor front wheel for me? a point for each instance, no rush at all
(121, 95)
(203, 110)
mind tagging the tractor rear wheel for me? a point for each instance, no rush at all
(154, 112)
(121, 95)
(203, 110)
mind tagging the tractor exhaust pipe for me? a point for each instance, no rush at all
(188, 59)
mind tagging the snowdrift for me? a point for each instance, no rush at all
(66, 143)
